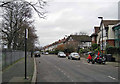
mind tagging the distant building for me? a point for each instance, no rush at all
(54, 45)
(83, 41)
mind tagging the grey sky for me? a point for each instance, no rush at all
(66, 17)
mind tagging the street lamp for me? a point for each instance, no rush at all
(26, 36)
(102, 33)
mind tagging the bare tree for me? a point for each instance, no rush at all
(13, 20)
(82, 33)
(37, 6)
(16, 17)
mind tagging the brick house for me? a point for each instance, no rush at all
(108, 33)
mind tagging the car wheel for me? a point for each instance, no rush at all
(93, 62)
(71, 58)
(79, 59)
(99, 62)
(103, 62)
(88, 61)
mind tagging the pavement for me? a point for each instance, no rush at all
(15, 72)
(50, 68)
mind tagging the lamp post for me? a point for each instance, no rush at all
(102, 33)
(26, 36)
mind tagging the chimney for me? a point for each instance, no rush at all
(96, 29)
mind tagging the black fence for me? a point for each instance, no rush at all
(11, 56)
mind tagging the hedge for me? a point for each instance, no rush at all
(113, 50)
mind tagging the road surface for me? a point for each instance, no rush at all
(50, 68)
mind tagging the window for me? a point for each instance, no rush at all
(116, 34)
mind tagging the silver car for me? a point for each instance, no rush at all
(61, 54)
(74, 55)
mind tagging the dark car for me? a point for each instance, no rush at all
(37, 54)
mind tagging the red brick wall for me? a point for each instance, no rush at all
(111, 42)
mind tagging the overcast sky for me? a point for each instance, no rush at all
(66, 17)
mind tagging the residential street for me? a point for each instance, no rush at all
(50, 68)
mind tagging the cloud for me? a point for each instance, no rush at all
(65, 17)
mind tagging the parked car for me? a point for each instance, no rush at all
(46, 53)
(61, 54)
(74, 55)
(37, 54)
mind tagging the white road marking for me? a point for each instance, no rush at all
(112, 77)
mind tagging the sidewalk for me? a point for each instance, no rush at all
(15, 73)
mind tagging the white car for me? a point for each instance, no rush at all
(74, 55)
(61, 54)
(46, 53)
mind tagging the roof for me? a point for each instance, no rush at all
(116, 25)
(55, 43)
(110, 22)
(80, 38)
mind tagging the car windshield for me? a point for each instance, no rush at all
(37, 52)
(61, 52)
(75, 53)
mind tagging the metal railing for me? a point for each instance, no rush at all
(11, 56)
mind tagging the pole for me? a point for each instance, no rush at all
(102, 33)
(25, 55)
(102, 41)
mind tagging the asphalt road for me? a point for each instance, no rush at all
(50, 68)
